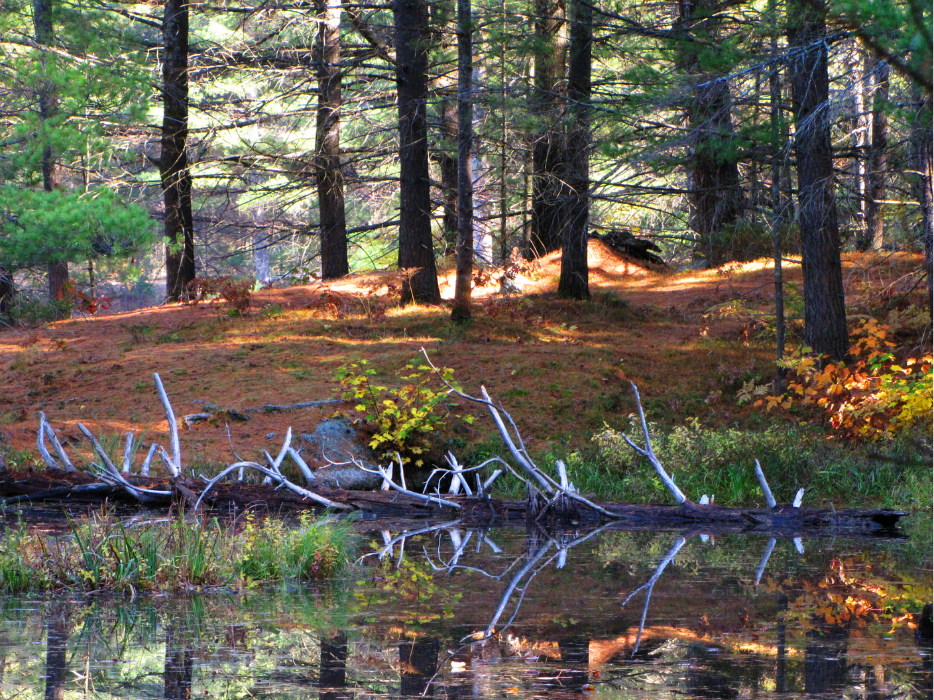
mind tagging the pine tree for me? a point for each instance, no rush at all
(824, 313)
(573, 282)
(415, 242)
(173, 161)
(330, 179)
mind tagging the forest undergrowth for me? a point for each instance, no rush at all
(699, 344)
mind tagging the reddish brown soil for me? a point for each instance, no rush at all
(560, 367)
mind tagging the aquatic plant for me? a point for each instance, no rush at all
(103, 553)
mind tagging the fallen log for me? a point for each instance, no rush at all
(550, 501)
(59, 486)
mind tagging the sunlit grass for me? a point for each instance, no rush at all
(719, 462)
(105, 554)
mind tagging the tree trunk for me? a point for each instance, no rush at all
(332, 223)
(922, 156)
(173, 161)
(878, 71)
(447, 164)
(777, 135)
(415, 244)
(482, 202)
(48, 106)
(573, 282)
(548, 149)
(824, 313)
(856, 63)
(7, 292)
(465, 237)
(261, 254)
(716, 195)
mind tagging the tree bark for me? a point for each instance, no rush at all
(824, 312)
(447, 164)
(878, 70)
(331, 214)
(716, 195)
(7, 292)
(573, 282)
(48, 107)
(410, 18)
(173, 160)
(548, 148)
(465, 238)
(856, 63)
(922, 156)
(776, 123)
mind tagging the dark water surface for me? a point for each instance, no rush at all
(499, 614)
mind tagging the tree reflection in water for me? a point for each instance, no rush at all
(424, 627)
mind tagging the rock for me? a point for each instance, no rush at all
(335, 440)
(512, 283)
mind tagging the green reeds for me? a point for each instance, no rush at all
(105, 554)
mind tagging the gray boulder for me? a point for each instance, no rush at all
(335, 440)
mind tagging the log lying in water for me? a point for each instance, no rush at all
(551, 501)
(785, 521)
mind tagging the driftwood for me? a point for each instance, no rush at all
(550, 500)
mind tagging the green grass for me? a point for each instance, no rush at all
(720, 462)
(103, 554)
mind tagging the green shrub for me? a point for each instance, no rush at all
(33, 309)
(402, 417)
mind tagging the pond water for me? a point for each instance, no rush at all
(460, 614)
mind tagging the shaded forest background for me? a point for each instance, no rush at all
(145, 144)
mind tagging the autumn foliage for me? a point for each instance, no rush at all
(871, 396)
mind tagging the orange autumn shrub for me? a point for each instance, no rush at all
(870, 396)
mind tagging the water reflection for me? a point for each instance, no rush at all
(56, 649)
(458, 614)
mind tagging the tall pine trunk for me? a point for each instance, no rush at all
(173, 160)
(573, 282)
(48, 106)
(548, 147)
(331, 218)
(410, 18)
(7, 292)
(878, 70)
(465, 237)
(447, 164)
(776, 123)
(824, 312)
(716, 195)
(856, 64)
(922, 177)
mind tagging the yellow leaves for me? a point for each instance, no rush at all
(401, 416)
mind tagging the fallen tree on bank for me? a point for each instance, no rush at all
(549, 500)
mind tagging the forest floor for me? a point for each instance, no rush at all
(562, 369)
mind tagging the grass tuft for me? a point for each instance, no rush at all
(103, 554)
(720, 461)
